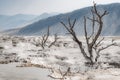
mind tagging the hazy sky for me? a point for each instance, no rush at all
(11, 7)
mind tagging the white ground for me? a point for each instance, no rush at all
(64, 54)
(11, 72)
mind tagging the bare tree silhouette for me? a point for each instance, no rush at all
(92, 40)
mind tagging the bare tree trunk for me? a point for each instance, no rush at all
(91, 40)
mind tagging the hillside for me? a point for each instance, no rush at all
(111, 22)
(20, 20)
(14, 21)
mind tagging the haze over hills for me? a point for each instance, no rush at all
(111, 22)
(43, 16)
(20, 20)
(8, 22)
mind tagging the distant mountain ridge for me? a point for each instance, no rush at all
(7, 22)
(111, 22)
(20, 20)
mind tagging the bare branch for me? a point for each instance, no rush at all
(100, 24)
(55, 40)
(101, 49)
(113, 44)
(72, 32)
(66, 27)
(99, 42)
(62, 74)
(46, 37)
(92, 20)
(105, 13)
(69, 21)
(85, 31)
(74, 23)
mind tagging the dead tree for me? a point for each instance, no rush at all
(62, 75)
(92, 40)
(44, 39)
